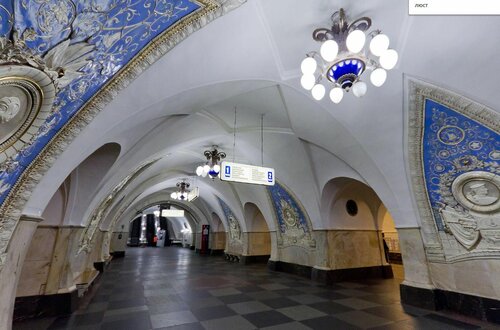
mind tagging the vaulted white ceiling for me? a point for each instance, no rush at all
(250, 58)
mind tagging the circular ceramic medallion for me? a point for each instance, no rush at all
(20, 100)
(478, 191)
(26, 95)
(290, 219)
(451, 135)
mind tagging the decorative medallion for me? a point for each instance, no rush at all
(451, 135)
(478, 191)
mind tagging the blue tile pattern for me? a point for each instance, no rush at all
(228, 213)
(280, 198)
(119, 29)
(454, 144)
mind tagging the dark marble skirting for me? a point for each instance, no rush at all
(478, 307)
(214, 252)
(333, 275)
(281, 266)
(45, 305)
(254, 259)
(118, 254)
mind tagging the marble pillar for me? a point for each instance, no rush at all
(11, 270)
(416, 267)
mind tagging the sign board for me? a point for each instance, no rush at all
(193, 194)
(247, 174)
(453, 7)
(172, 213)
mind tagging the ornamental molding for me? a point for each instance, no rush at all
(11, 209)
(104, 206)
(469, 223)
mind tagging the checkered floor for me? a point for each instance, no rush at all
(174, 288)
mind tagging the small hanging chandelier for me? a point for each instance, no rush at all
(182, 193)
(342, 58)
(211, 167)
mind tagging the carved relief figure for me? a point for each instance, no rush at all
(9, 108)
(478, 193)
(290, 217)
(461, 225)
(234, 228)
(473, 213)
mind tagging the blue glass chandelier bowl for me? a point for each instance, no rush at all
(346, 72)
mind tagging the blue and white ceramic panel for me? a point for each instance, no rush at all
(228, 213)
(278, 193)
(454, 144)
(119, 29)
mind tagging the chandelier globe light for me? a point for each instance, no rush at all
(343, 58)
(182, 193)
(211, 167)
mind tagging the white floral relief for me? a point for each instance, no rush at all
(9, 108)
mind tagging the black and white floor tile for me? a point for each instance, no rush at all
(174, 288)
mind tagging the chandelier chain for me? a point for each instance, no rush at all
(234, 136)
(262, 139)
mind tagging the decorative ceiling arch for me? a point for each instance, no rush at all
(159, 198)
(127, 37)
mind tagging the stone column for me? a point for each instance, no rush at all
(11, 270)
(417, 288)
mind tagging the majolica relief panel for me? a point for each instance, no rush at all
(83, 44)
(293, 224)
(235, 235)
(454, 147)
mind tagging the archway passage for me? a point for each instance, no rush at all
(218, 236)
(392, 248)
(259, 239)
(357, 223)
(162, 225)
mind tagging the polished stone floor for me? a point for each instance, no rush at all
(174, 288)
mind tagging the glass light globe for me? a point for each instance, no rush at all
(336, 95)
(378, 77)
(359, 88)
(318, 92)
(199, 170)
(212, 174)
(329, 50)
(217, 168)
(355, 41)
(206, 168)
(388, 59)
(307, 81)
(173, 195)
(379, 44)
(308, 65)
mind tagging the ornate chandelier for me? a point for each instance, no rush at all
(211, 167)
(342, 58)
(182, 193)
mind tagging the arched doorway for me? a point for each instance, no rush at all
(390, 236)
(258, 248)
(355, 219)
(218, 236)
(162, 225)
